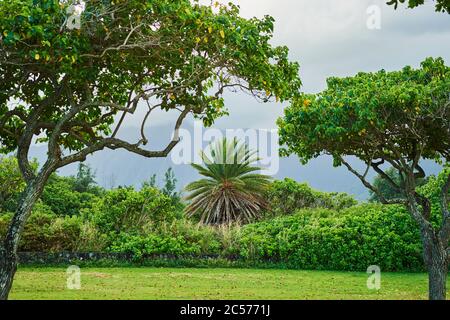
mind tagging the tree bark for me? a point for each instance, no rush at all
(8, 267)
(8, 251)
(436, 261)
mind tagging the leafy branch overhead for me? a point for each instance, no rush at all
(441, 5)
(384, 115)
(68, 85)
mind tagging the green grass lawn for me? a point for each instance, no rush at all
(165, 283)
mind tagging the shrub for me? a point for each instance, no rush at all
(62, 198)
(286, 196)
(48, 232)
(45, 232)
(150, 244)
(349, 240)
(181, 237)
(130, 211)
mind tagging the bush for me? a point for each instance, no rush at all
(150, 244)
(432, 190)
(286, 196)
(62, 198)
(349, 240)
(181, 237)
(48, 232)
(130, 211)
(321, 239)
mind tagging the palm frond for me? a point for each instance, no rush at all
(232, 191)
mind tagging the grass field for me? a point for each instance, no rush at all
(165, 283)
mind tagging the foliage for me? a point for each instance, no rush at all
(170, 184)
(352, 239)
(432, 190)
(169, 188)
(130, 211)
(61, 196)
(329, 232)
(287, 196)
(174, 52)
(323, 239)
(67, 87)
(441, 5)
(150, 182)
(153, 244)
(373, 116)
(47, 232)
(397, 118)
(85, 180)
(179, 237)
(231, 191)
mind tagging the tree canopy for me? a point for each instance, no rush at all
(441, 5)
(69, 84)
(11, 182)
(383, 115)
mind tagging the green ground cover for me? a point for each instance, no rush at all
(184, 283)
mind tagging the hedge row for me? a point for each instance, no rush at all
(352, 239)
(349, 239)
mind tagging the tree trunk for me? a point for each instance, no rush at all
(8, 267)
(8, 252)
(436, 260)
(437, 277)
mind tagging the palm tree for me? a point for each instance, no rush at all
(232, 190)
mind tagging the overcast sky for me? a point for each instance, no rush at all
(331, 38)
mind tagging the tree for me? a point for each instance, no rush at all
(170, 184)
(72, 88)
(169, 189)
(62, 196)
(232, 191)
(150, 183)
(287, 196)
(388, 191)
(395, 118)
(85, 179)
(441, 5)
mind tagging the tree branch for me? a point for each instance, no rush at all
(376, 167)
(370, 186)
(114, 143)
